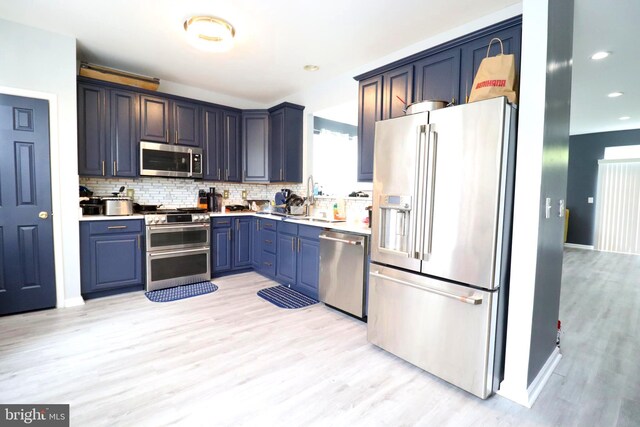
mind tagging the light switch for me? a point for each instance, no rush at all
(244, 194)
(225, 194)
(589, 199)
(547, 208)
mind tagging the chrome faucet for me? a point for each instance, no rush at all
(310, 199)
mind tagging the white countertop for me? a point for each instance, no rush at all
(349, 227)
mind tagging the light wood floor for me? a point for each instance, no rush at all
(230, 358)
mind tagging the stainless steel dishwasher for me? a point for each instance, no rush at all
(343, 262)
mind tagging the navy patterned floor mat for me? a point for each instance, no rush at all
(284, 297)
(181, 292)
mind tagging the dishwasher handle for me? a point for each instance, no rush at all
(335, 239)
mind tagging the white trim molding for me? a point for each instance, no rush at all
(528, 397)
(73, 302)
(577, 246)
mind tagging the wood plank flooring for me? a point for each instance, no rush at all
(230, 358)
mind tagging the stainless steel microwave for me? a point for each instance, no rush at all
(170, 160)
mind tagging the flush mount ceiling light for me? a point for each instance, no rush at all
(600, 55)
(311, 67)
(209, 33)
(615, 94)
(624, 118)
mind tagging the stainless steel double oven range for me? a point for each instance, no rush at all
(178, 248)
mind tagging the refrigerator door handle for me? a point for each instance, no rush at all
(431, 185)
(418, 192)
(472, 300)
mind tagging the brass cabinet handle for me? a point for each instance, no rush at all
(116, 227)
(281, 178)
(229, 233)
(176, 140)
(103, 168)
(227, 175)
(257, 225)
(223, 223)
(238, 224)
(138, 238)
(292, 244)
(218, 174)
(298, 244)
(268, 241)
(268, 264)
(115, 168)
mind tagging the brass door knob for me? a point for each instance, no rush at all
(43, 215)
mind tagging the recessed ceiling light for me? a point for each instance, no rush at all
(624, 118)
(600, 55)
(209, 33)
(615, 94)
(311, 67)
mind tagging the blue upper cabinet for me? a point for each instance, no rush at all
(107, 132)
(255, 145)
(285, 143)
(370, 111)
(398, 91)
(213, 146)
(232, 146)
(154, 119)
(186, 124)
(443, 72)
(438, 77)
(92, 130)
(473, 52)
(170, 121)
(123, 133)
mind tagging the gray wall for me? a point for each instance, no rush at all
(584, 153)
(546, 304)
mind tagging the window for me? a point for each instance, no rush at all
(622, 152)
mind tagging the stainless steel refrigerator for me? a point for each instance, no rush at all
(442, 206)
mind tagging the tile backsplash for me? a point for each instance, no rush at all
(180, 193)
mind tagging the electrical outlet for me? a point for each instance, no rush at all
(589, 199)
(244, 194)
(225, 194)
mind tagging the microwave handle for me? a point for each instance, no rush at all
(190, 162)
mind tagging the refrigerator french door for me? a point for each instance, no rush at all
(441, 212)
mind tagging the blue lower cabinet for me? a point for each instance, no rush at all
(111, 257)
(308, 262)
(241, 243)
(287, 253)
(220, 250)
(256, 244)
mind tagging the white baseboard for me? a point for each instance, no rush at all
(577, 246)
(73, 302)
(527, 397)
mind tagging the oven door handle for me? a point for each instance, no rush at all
(190, 151)
(181, 251)
(162, 228)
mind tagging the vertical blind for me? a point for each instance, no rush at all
(618, 206)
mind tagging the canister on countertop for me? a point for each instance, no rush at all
(212, 205)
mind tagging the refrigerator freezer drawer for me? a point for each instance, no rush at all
(445, 329)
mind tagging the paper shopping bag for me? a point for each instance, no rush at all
(495, 77)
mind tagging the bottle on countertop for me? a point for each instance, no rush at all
(212, 205)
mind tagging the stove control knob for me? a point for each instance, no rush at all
(163, 220)
(156, 220)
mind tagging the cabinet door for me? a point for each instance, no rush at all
(116, 261)
(438, 77)
(308, 271)
(186, 124)
(292, 144)
(255, 146)
(92, 130)
(220, 250)
(242, 243)
(398, 87)
(472, 53)
(256, 244)
(123, 133)
(276, 146)
(213, 147)
(370, 111)
(286, 258)
(232, 146)
(154, 119)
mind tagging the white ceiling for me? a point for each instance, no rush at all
(276, 38)
(610, 26)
